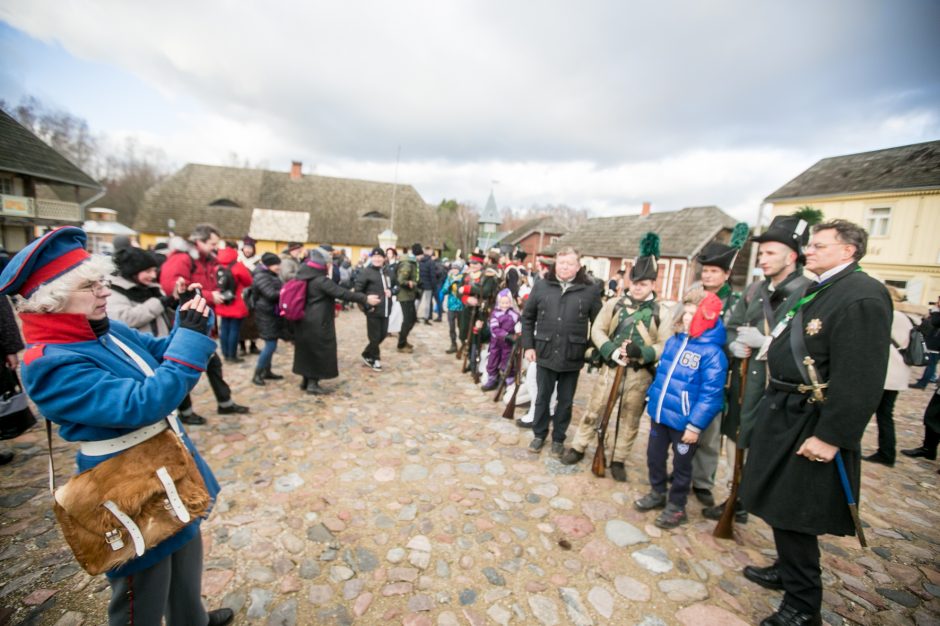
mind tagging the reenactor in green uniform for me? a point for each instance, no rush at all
(717, 260)
(628, 330)
(779, 256)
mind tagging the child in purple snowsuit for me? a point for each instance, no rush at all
(503, 326)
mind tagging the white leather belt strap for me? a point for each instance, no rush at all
(172, 495)
(132, 528)
(119, 444)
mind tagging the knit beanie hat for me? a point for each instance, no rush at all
(269, 259)
(132, 261)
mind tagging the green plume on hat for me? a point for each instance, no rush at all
(739, 235)
(649, 245)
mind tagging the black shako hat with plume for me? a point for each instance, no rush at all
(723, 255)
(645, 266)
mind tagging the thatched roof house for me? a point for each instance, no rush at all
(278, 207)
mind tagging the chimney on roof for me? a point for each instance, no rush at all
(295, 170)
(646, 209)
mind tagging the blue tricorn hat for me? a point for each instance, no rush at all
(43, 260)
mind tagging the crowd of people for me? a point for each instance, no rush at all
(776, 373)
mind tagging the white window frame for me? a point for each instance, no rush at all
(676, 266)
(883, 220)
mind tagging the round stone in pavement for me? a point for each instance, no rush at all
(623, 534)
(654, 559)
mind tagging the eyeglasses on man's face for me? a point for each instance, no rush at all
(97, 287)
(823, 246)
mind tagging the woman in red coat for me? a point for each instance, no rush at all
(232, 310)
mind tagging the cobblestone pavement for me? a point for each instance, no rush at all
(404, 498)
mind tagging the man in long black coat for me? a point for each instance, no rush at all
(790, 479)
(555, 325)
(315, 335)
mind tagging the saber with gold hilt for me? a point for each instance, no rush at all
(817, 390)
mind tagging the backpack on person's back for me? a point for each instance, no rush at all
(915, 353)
(292, 300)
(225, 280)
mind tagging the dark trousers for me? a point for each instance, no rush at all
(884, 415)
(408, 317)
(661, 439)
(452, 325)
(171, 588)
(438, 306)
(931, 423)
(567, 384)
(376, 329)
(931, 439)
(930, 370)
(798, 562)
(220, 388)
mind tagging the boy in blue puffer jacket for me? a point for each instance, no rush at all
(685, 396)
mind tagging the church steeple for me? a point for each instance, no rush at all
(489, 221)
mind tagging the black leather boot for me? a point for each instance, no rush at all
(766, 577)
(221, 617)
(258, 378)
(789, 616)
(269, 375)
(618, 472)
(314, 388)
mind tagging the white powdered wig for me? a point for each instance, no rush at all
(51, 297)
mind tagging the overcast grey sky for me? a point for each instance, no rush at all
(600, 105)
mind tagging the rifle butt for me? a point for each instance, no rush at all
(725, 527)
(599, 465)
(510, 411)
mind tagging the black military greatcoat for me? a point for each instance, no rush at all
(847, 331)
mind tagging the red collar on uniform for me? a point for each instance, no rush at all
(48, 328)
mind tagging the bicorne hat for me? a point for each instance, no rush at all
(789, 230)
(723, 255)
(43, 260)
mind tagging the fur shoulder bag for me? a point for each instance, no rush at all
(131, 502)
(128, 504)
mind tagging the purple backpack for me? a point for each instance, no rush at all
(293, 299)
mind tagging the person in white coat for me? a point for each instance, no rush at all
(896, 379)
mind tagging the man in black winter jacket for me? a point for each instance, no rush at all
(373, 279)
(426, 280)
(555, 324)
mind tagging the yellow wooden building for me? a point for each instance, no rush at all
(275, 208)
(895, 195)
